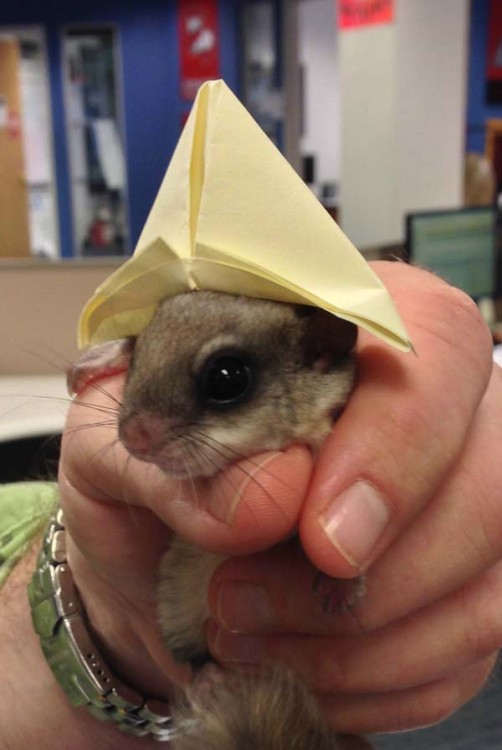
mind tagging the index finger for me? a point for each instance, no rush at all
(403, 427)
(250, 506)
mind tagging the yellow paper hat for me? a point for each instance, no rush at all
(233, 216)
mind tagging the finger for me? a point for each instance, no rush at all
(114, 555)
(122, 543)
(114, 543)
(402, 428)
(250, 506)
(442, 639)
(93, 459)
(123, 540)
(406, 709)
(253, 504)
(455, 539)
(278, 591)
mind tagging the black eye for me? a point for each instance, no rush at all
(225, 380)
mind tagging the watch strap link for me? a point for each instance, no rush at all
(59, 620)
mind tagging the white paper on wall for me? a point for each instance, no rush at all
(110, 152)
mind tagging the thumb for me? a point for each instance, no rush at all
(402, 431)
(250, 506)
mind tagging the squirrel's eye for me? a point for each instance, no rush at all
(225, 380)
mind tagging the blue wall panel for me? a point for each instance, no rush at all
(149, 77)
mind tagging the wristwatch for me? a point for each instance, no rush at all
(60, 622)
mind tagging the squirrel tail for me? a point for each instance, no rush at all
(268, 710)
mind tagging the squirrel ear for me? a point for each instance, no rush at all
(327, 338)
(99, 362)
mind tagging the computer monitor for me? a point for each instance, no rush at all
(457, 244)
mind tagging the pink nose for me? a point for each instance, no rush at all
(143, 434)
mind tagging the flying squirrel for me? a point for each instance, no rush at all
(212, 379)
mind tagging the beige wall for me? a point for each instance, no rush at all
(403, 93)
(39, 307)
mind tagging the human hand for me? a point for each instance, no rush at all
(419, 444)
(119, 513)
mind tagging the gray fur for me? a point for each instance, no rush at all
(304, 376)
(297, 390)
(265, 711)
(185, 572)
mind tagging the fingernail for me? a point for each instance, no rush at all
(355, 521)
(222, 505)
(243, 607)
(239, 649)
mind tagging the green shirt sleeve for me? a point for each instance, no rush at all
(25, 508)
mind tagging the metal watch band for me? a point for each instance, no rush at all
(59, 620)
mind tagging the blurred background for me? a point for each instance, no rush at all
(376, 104)
(390, 110)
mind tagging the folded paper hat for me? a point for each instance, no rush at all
(232, 215)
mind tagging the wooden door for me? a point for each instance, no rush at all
(14, 227)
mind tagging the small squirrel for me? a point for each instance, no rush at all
(212, 379)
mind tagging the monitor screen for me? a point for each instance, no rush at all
(457, 244)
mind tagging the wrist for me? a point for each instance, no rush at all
(34, 711)
(71, 650)
(126, 631)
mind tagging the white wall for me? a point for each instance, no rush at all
(318, 55)
(369, 134)
(432, 87)
(403, 92)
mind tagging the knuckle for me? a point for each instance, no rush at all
(462, 314)
(420, 437)
(335, 673)
(484, 635)
(441, 704)
(488, 543)
(408, 421)
(406, 710)
(447, 696)
(460, 302)
(433, 704)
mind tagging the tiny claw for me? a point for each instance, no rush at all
(338, 594)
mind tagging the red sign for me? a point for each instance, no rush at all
(494, 66)
(199, 44)
(14, 126)
(353, 14)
